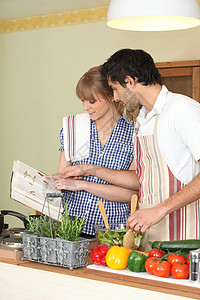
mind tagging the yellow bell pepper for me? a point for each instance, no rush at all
(116, 257)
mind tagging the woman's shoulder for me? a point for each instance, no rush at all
(124, 131)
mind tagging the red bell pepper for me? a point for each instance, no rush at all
(98, 255)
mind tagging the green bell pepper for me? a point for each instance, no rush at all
(136, 261)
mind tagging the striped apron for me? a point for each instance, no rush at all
(157, 183)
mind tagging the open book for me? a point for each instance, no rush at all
(29, 187)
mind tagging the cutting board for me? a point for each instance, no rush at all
(184, 285)
(10, 253)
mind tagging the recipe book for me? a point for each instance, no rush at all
(30, 187)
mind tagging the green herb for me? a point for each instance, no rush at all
(68, 228)
(41, 226)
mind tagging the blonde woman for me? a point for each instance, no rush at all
(111, 146)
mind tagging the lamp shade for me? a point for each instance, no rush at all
(153, 15)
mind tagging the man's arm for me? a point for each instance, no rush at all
(149, 217)
(125, 179)
(106, 191)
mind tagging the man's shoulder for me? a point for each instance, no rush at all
(182, 103)
(127, 122)
(177, 99)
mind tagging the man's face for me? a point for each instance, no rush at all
(125, 95)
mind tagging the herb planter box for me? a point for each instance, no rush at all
(56, 251)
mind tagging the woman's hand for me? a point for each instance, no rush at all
(70, 184)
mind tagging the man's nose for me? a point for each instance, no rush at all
(115, 96)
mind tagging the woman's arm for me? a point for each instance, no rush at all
(106, 191)
(63, 164)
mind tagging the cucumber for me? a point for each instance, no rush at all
(176, 245)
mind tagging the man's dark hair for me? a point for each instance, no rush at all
(138, 64)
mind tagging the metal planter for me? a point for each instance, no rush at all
(56, 252)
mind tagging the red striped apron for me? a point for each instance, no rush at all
(157, 183)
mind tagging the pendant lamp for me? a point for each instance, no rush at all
(153, 15)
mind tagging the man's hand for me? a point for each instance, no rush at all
(143, 219)
(77, 171)
(74, 172)
(54, 176)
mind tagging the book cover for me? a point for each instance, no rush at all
(30, 187)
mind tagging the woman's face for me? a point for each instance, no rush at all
(97, 109)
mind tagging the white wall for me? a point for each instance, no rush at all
(39, 70)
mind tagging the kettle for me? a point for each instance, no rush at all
(195, 265)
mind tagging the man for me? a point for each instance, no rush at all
(167, 149)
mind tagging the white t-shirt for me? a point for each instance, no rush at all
(178, 132)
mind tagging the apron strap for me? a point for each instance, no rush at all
(155, 126)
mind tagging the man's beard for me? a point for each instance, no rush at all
(132, 101)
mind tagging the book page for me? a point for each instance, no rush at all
(35, 191)
(33, 188)
(30, 184)
(33, 176)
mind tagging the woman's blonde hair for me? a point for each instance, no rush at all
(92, 86)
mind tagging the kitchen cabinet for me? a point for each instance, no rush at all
(93, 282)
(181, 77)
(28, 280)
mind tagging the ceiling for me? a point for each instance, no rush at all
(13, 9)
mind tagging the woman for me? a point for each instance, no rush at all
(111, 146)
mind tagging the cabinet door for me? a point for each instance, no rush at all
(181, 77)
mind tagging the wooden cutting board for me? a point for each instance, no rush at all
(181, 285)
(10, 253)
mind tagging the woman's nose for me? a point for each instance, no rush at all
(85, 105)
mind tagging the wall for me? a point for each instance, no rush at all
(39, 70)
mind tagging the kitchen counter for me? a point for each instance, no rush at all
(30, 280)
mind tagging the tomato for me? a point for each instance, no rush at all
(162, 269)
(156, 253)
(180, 271)
(188, 262)
(117, 257)
(149, 264)
(175, 258)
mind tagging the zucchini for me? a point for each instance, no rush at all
(176, 245)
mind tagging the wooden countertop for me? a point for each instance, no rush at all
(109, 277)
